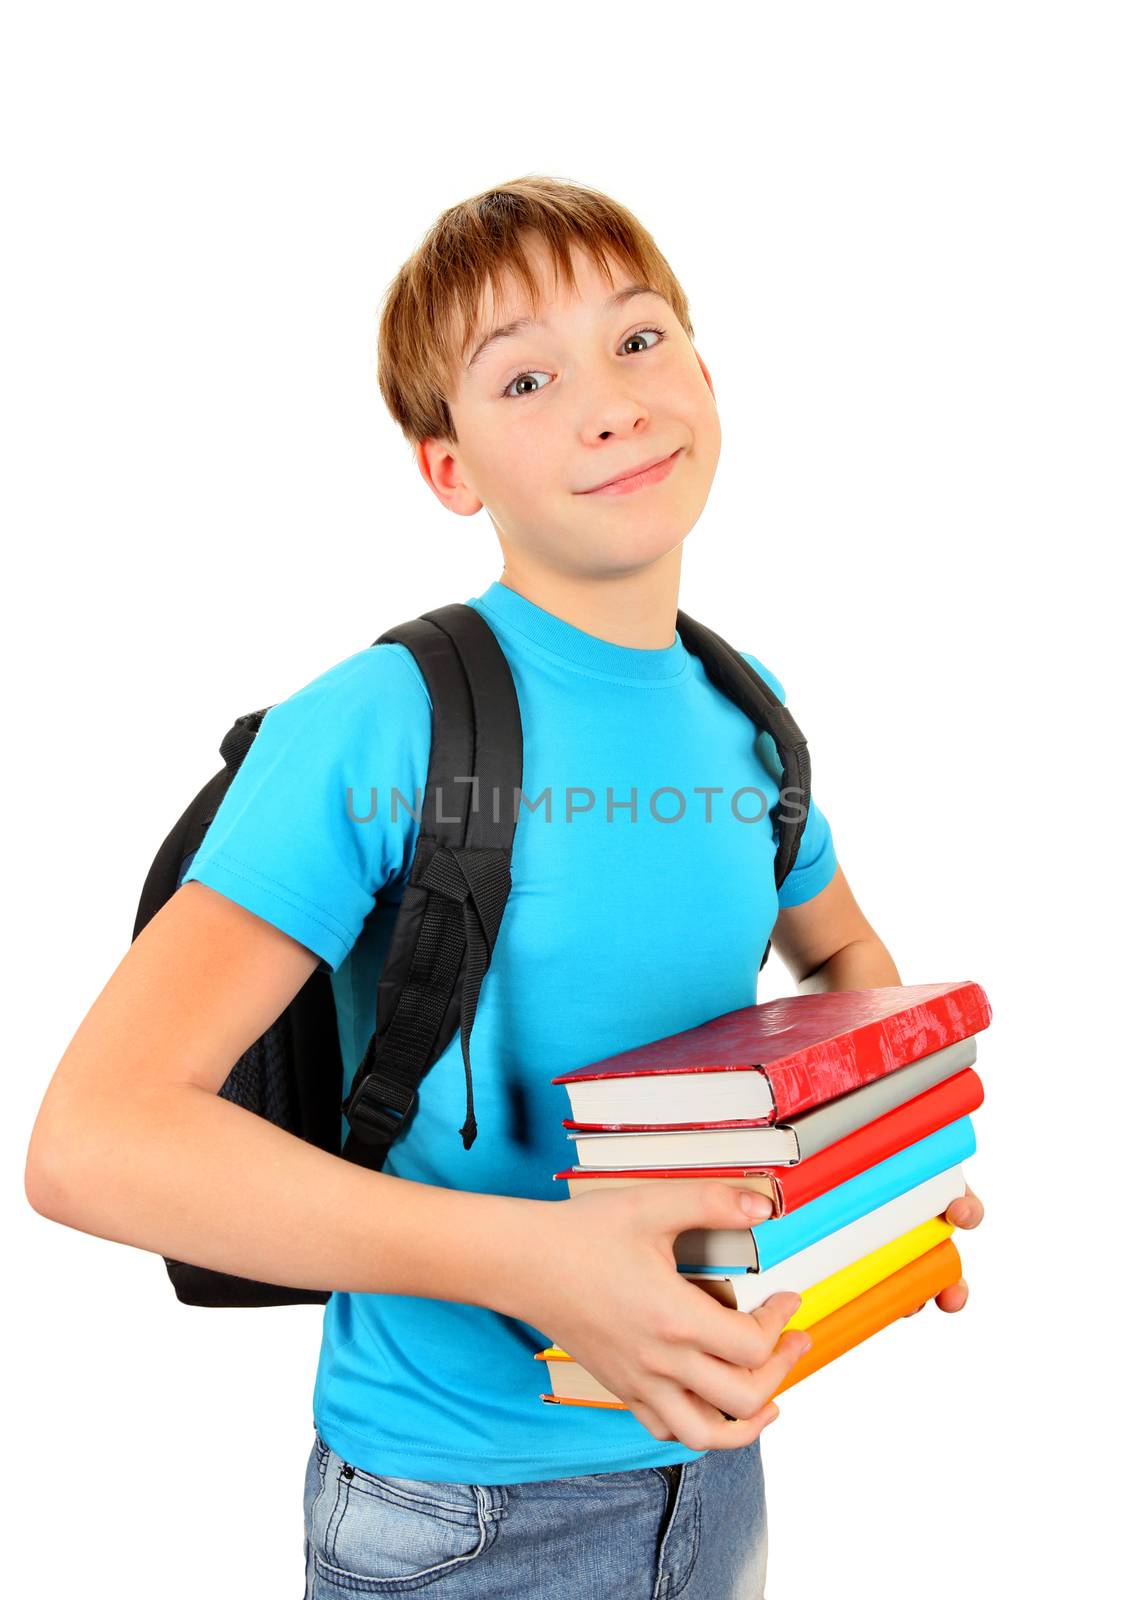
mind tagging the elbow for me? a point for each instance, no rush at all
(45, 1183)
(41, 1187)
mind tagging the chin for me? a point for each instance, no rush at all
(632, 555)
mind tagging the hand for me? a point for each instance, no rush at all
(599, 1275)
(965, 1212)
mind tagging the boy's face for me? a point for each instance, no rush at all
(548, 413)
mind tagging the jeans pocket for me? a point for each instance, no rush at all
(370, 1534)
(312, 1487)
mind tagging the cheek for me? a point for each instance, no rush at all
(533, 457)
(516, 463)
(702, 412)
(687, 400)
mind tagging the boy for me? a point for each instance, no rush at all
(536, 351)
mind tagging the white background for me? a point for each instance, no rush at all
(912, 239)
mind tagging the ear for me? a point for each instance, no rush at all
(442, 469)
(704, 369)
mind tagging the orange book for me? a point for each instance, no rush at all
(893, 1297)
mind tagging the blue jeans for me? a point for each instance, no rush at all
(695, 1531)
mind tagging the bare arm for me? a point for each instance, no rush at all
(828, 943)
(133, 1143)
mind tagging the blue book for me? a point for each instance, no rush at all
(779, 1237)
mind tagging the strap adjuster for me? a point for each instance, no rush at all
(378, 1107)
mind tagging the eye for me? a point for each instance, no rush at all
(510, 391)
(513, 381)
(660, 333)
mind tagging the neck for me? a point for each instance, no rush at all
(637, 609)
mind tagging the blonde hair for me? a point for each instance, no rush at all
(430, 313)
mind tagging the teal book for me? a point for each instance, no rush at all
(776, 1238)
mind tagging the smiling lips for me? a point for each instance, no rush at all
(654, 472)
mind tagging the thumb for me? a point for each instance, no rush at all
(708, 1203)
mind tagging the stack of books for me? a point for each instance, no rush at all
(850, 1110)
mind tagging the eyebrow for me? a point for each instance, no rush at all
(509, 330)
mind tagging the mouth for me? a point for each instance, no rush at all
(639, 478)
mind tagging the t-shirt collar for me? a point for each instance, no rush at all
(580, 649)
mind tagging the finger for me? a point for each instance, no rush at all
(745, 1339)
(737, 1393)
(954, 1297)
(681, 1205)
(966, 1211)
(774, 1316)
(653, 1421)
(700, 1426)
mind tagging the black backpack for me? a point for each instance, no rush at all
(449, 915)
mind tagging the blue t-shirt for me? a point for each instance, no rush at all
(640, 905)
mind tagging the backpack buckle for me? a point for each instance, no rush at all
(377, 1107)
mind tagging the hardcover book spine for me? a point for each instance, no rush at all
(897, 1296)
(937, 1108)
(779, 1237)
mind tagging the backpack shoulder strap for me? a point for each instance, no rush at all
(459, 882)
(744, 686)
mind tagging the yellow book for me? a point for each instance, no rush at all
(831, 1293)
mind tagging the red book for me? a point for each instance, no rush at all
(806, 1048)
(792, 1186)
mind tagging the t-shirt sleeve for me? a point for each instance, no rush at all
(815, 863)
(310, 829)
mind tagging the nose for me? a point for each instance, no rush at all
(615, 412)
